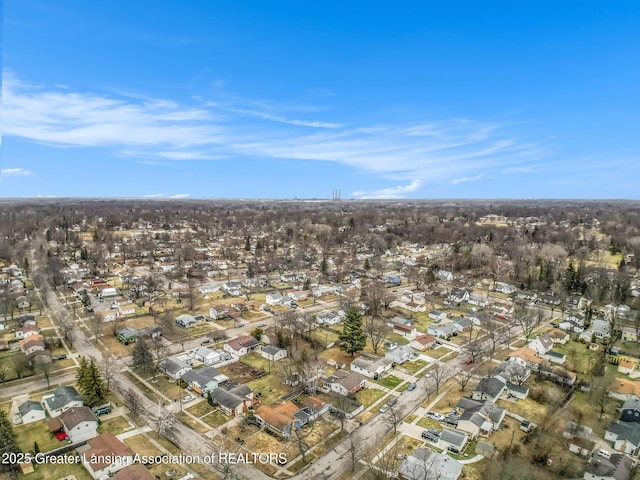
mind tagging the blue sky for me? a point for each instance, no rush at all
(423, 99)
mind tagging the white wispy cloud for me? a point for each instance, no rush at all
(160, 130)
(456, 181)
(15, 172)
(180, 195)
(154, 195)
(393, 192)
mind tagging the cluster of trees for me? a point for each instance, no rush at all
(90, 382)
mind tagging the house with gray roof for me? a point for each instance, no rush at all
(204, 380)
(453, 441)
(442, 331)
(630, 411)
(31, 411)
(371, 367)
(174, 367)
(273, 353)
(479, 417)
(426, 464)
(399, 354)
(233, 400)
(625, 437)
(617, 467)
(62, 398)
(489, 389)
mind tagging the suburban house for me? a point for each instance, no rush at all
(299, 295)
(624, 389)
(579, 439)
(209, 356)
(105, 455)
(625, 437)
(174, 367)
(479, 417)
(371, 368)
(62, 398)
(601, 329)
(478, 299)
(242, 345)
(32, 343)
(281, 417)
(128, 309)
(558, 336)
(424, 464)
(273, 353)
(346, 383)
(630, 411)
(512, 372)
(459, 295)
(128, 334)
(31, 411)
(453, 441)
(626, 367)
(27, 331)
(555, 357)
(233, 401)
(541, 344)
(629, 334)
(204, 380)
(526, 357)
(437, 316)
(329, 318)
(185, 320)
(407, 331)
(527, 295)
(444, 275)
(463, 324)
(616, 467)
(505, 288)
(399, 354)
(442, 331)
(489, 389)
(79, 423)
(274, 299)
(423, 342)
(218, 312)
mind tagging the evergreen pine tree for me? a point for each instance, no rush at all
(352, 339)
(36, 448)
(367, 265)
(81, 373)
(95, 391)
(324, 267)
(8, 439)
(141, 357)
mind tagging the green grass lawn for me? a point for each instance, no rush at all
(215, 418)
(51, 471)
(413, 367)
(399, 339)
(368, 396)
(437, 352)
(114, 426)
(200, 409)
(36, 432)
(271, 388)
(257, 361)
(425, 422)
(389, 382)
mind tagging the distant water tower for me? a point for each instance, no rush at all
(335, 195)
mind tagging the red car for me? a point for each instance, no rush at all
(469, 361)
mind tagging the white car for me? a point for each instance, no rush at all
(435, 416)
(188, 398)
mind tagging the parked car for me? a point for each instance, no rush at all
(188, 398)
(431, 434)
(435, 416)
(411, 387)
(469, 361)
(205, 341)
(392, 401)
(384, 408)
(239, 325)
(452, 420)
(62, 356)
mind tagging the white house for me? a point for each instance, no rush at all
(174, 367)
(273, 353)
(273, 299)
(541, 344)
(242, 345)
(371, 368)
(399, 354)
(62, 398)
(31, 411)
(210, 356)
(79, 423)
(346, 383)
(125, 310)
(437, 315)
(105, 455)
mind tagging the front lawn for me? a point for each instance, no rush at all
(114, 426)
(389, 382)
(269, 388)
(37, 432)
(368, 396)
(438, 352)
(413, 366)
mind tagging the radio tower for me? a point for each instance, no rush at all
(335, 194)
